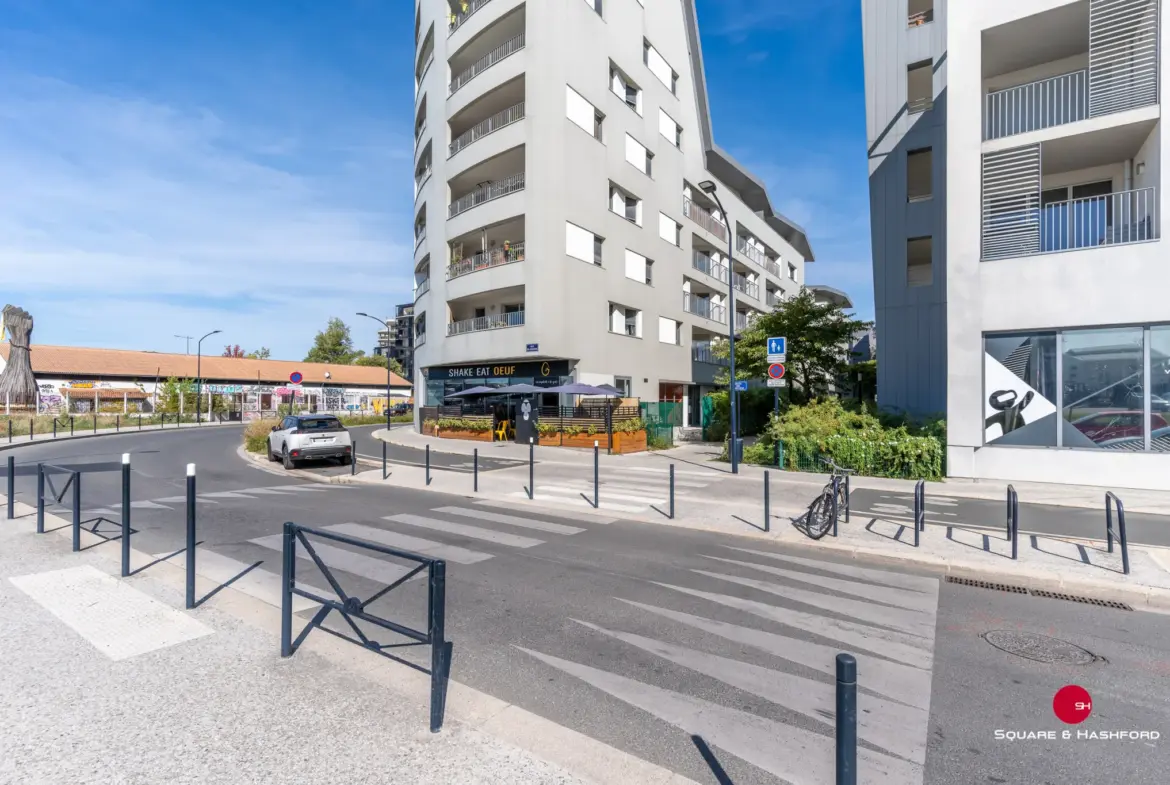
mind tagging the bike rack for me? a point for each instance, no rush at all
(351, 607)
(1110, 500)
(919, 509)
(1013, 520)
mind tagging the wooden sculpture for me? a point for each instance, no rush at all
(18, 386)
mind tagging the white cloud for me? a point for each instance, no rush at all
(167, 218)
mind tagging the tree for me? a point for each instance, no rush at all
(333, 345)
(819, 336)
(233, 351)
(262, 353)
(379, 361)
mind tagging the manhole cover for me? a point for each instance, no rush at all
(1039, 648)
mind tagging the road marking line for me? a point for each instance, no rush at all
(263, 491)
(117, 619)
(226, 495)
(474, 532)
(145, 505)
(511, 520)
(348, 561)
(407, 543)
(897, 580)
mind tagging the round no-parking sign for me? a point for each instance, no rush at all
(776, 371)
(295, 377)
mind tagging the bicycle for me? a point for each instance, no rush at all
(825, 509)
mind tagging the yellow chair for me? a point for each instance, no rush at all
(502, 431)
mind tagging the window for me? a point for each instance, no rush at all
(669, 331)
(919, 261)
(514, 308)
(582, 244)
(791, 271)
(669, 230)
(625, 205)
(625, 321)
(1103, 376)
(920, 86)
(1159, 385)
(638, 267)
(649, 272)
(669, 129)
(480, 313)
(638, 156)
(659, 67)
(583, 114)
(624, 385)
(1019, 377)
(625, 88)
(920, 12)
(919, 175)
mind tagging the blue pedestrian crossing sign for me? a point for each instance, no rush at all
(777, 346)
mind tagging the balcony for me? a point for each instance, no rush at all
(477, 324)
(704, 218)
(459, 17)
(705, 264)
(420, 339)
(423, 287)
(509, 47)
(742, 284)
(1098, 221)
(704, 353)
(420, 234)
(482, 261)
(701, 306)
(1036, 105)
(419, 130)
(423, 72)
(499, 120)
(742, 320)
(422, 174)
(773, 299)
(486, 193)
(758, 256)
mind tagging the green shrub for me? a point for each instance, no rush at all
(256, 435)
(629, 426)
(547, 429)
(464, 424)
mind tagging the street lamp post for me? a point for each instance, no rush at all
(385, 326)
(199, 375)
(708, 187)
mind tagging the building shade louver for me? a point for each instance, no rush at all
(1123, 55)
(1011, 203)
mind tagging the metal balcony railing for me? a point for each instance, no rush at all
(705, 264)
(703, 353)
(481, 129)
(703, 307)
(509, 47)
(1095, 221)
(773, 299)
(742, 284)
(424, 286)
(420, 234)
(487, 193)
(420, 339)
(422, 74)
(741, 321)
(459, 17)
(421, 177)
(773, 268)
(494, 322)
(481, 261)
(704, 218)
(418, 132)
(1037, 105)
(750, 251)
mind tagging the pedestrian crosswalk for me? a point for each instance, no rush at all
(217, 497)
(625, 490)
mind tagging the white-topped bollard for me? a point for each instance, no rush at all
(190, 536)
(125, 514)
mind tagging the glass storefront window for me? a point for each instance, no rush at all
(1160, 388)
(1019, 389)
(1103, 398)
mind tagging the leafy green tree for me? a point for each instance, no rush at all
(819, 335)
(260, 354)
(379, 361)
(172, 391)
(333, 345)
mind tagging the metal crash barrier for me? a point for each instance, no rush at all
(353, 608)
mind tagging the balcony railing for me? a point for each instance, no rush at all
(481, 261)
(421, 177)
(487, 193)
(418, 132)
(1036, 105)
(920, 18)
(459, 17)
(750, 251)
(424, 286)
(703, 307)
(1096, 221)
(741, 321)
(742, 284)
(774, 299)
(420, 339)
(494, 322)
(490, 125)
(421, 74)
(420, 234)
(705, 264)
(704, 218)
(509, 47)
(703, 353)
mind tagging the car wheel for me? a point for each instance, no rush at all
(346, 460)
(271, 455)
(289, 463)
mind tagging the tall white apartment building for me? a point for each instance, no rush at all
(561, 233)
(1017, 163)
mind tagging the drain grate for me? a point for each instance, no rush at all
(1121, 606)
(986, 585)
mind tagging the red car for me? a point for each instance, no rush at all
(1104, 426)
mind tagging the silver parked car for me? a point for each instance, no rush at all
(307, 437)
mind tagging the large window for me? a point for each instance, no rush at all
(1100, 388)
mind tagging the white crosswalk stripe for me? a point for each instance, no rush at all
(511, 520)
(632, 490)
(474, 532)
(575, 500)
(407, 543)
(572, 515)
(379, 570)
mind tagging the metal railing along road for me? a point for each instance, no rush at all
(494, 322)
(481, 261)
(1036, 105)
(742, 284)
(459, 17)
(705, 264)
(705, 308)
(509, 47)
(703, 353)
(487, 193)
(704, 218)
(481, 129)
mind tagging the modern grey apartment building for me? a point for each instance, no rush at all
(1018, 256)
(561, 232)
(397, 341)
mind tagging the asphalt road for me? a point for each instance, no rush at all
(709, 655)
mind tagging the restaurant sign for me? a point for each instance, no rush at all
(533, 370)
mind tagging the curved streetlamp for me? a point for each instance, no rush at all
(199, 375)
(708, 187)
(385, 326)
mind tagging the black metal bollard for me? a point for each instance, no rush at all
(71, 425)
(428, 477)
(31, 428)
(846, 720)
(767, 505)
(436, 633)
(836, 512)
(1110, 500)
(125, 514)
(12, 488)
(1013, 520)
(672, 491)
(190, 536)
(596, 452)
(54, 427)
(475, 470)
(383, 460)
(40, 498)
(76, 511)
(847, 499)
(531, 471)
(95, 416)
(140, 422)
(117, 423)
(919, 509)
(287, 580)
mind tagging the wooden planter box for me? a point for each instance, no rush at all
(585, 440)
(550, 441)
(629, 442)
(429, 430)
(474, 436)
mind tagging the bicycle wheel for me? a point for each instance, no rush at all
(820, 515)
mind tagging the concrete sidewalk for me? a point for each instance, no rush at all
(703, 457)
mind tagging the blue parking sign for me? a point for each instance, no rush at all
(777, 346)
(741, 385)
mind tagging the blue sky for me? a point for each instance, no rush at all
(178, 167)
